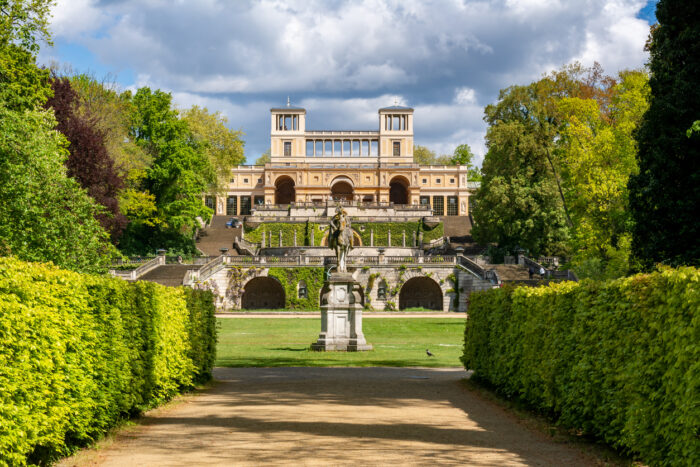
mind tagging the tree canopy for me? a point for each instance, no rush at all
(664, 194)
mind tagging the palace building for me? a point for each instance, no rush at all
(309, 167)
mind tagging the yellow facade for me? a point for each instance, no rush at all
(314, 166)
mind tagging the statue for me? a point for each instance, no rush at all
(340, 237)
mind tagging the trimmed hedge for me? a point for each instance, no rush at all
(79, 352)
(619, 360)
(381, 230)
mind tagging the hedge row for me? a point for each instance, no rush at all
(79, 352)
(619, 360)
(290, 278)
(364, 229)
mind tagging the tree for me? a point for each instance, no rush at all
(88, 161)
(264, 158)
(664, 194)
(111, 112)
(22, 22)
(462, 155)
(22, 84)
(44, 214)
(423, 155)
(181, 172)
(223, 146)
(597, 155)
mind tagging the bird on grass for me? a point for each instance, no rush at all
(429, 353)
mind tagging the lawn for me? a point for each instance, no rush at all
(397, 342)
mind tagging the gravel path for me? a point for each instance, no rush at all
(333, 416)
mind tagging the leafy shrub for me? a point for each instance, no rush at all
(619, 360)
(290, 278)
(79, 352)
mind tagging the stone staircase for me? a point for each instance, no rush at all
(216, 236)
(171, 275)
(511, 272)
(456, 226)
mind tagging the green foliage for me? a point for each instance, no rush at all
(23, 86)
(264, 158)
(617, 359)
(303, 230)
(462, 155)
(381, 232)
(290, 278)
(423, 155)
(223, 146)
(24, 23)
(665, 194)
(44, 214)
(79, 352)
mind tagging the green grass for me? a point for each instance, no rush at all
(398, 342)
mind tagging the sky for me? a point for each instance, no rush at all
(343, 60)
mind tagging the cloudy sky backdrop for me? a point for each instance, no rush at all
(342, 60)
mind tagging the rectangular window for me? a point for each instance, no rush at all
(309, 147)
(452, 181)
(209, 201)
(346, 148)
(233, 180)
(397, 148)
(259, 180)
(452, 205)
(231, 206)
(259, 200)
(438, 205)
(245, 180)
(425, 200)
(396, 123)
(438, 181)
(287, 122)
(245, 205)
(425, 181)
(287, 148)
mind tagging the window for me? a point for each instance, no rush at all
(438, 181)
(375, 147)
(260, 180)
(245, 205)
(337, 146)
(425, 181)
(439, 205)
(355, 148)
(365, 148)
(245, 180)
(295, 121)
(425, 201)
(397, 148)
(452, 205)
(231, 206)
(381, 291)
(452, 181)
(302, 291)
(396, 124)
(328, 148)
(319, 148)
(287, 122)
(309, 147)
(209, 202)
(315, 178)
(346, 148)
(287, 148)
(368, 179)
(233, 180)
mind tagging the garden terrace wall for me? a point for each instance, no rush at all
(79, 352)
(619, 360)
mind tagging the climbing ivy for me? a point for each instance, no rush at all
(290, 277)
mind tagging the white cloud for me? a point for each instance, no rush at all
(345, 59)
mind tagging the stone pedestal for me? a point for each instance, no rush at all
(341, 316)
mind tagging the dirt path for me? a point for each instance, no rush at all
(334, 416)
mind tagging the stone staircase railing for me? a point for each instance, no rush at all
(478, 271)
(549, 273)
(134, 274)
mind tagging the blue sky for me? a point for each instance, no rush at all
(344, 60)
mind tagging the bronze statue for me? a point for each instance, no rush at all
(340, 237)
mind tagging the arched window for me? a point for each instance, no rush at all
(381, 291)
(302, 291)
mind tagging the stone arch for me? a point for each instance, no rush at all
(262, 292)
(398, 190)
(285, 193)
(420, 291)
(342, 188)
